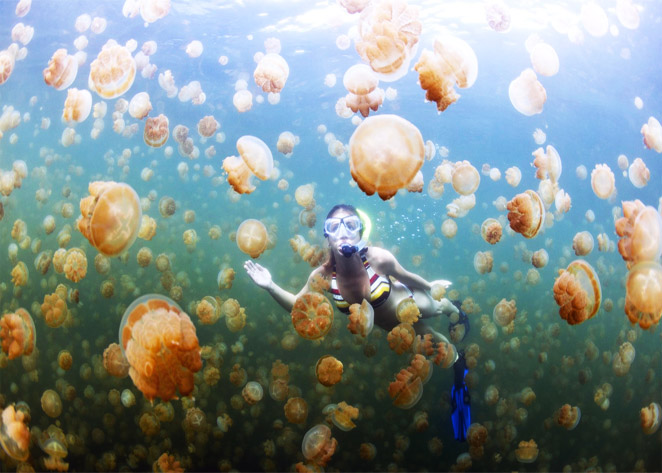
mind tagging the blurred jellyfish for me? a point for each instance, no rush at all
(526, 94)
(156, 131)
(498, 16)
(15, 434)
(527, 452)
(643, 301)
(638, 173)
(568, 416)
(652, 133)
(328, 370)
(640, 230)
(483, 262)
(650, 418)
(544, 59)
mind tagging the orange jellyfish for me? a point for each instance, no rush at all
(406, 390)
(361, 318)
(342, 415)
(328, 370)
(386, 152)
(526, 213)
(527, 452)
(296, 410)
(256, 159)
(652, 133)
(547, 163)
(19, 274)
(271, 73)
(54, 309)
(643, 297)
(75, 264)
(14, 433)
(527, 94)
(640, 230)
(638, 173)
(452, 62)
(312, 315)
(407, 311)
(568, 416)
(161, 345)
(252, 392)
(252, 237)
(17, 334)
(61, 71)
(77, 106)
(491, 231)
(582, 243)
(364, 95)
(577, 292)
(115, 362)
(602, 181)
(51, 403)
(504, 312)
(7, 60)
(650, 418)
(388, 31)
(318, 446)
(465, 178)
(401, 338)
(113, 71)
(110, 216)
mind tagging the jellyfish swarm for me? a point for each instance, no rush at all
(386, 152)
(161, 345)
(256, 159)
(640, 230)
(526, 213)
(361, 319)
(113, 71)
(312, 315)
(643, 295)
(110, 216)
(452, 62)
(389, 32)
(17, 334)
(526, 94)
(156, 131)
(364, 95)
(271, 73)
(577, 292)
(61, 71)
(252, 237)
(14, 433)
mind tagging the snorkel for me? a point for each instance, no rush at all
(349, 250)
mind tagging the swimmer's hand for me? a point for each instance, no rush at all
(447, 307)
(259, 274)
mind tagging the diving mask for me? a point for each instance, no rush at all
(333, 225)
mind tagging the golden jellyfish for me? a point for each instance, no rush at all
(602, 181)
(526, 452)
(389, 31)
(540, 258)
(643, 300)
(652, 133)
(465, 178)
(577, 292)
(582, 243)
(61, 71)
(153, 10)
(77, 106)
(110, 216)
(14, 433)
(386, 152)
(51, 403)
(361, 318)
(526, 213)
(296, 410)
(407, 311)
(406, 390)
(650, 418)
(7, 61)
(568, 416)
(491, 231)
(305, 196)
(640, 230)
(452, 62)
(225, 278)
(207, 126)
(449, 228)
(75, 265)
(114, 361)
(113, 71)
(271, 73)
(54, 309)
(161, 345)
(208, 310)
(234, 314)
(252, 237)
(638, 173)
(328, 370)
(312, 315)
(504, 312)
(65, 360)
(342, 415)
(318, 446)
(20, 274)
(252, 392)
(544, 59)
(483, 262)
(286, 142)
(364, 95)
(167, 206)
(547, 163)
(421, 367)
(17, 334)
(527, 94)
(256, 159)
(140, 105)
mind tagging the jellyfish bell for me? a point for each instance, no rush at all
(77, 105)
(640, 230)
(643, 302)
(17, 334)
(386, 152)
(651, 417)
(271, 73)
(602, 181)
(252, 237)
(256, 159)
(526, 94)
(61, 71)
(544, 59)
(526, 213)
(638, 173)
(110, 216)
(465, 178)
(652, 133)
(361, 318)
(577, 292)
(156, 131)
(14, 433)
(318, 446)
(312, 315)
(527, 452)
(113, 71)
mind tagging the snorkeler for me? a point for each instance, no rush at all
(358, 272)
(460, 400)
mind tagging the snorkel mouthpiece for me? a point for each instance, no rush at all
(348, 250)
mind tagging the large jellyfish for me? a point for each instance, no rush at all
(161, 344)
(110, 216)
(312, 315)
(640, 230)
(386, 152)
(577, 292)
(643, 299)
(256, 159)
(526, 213)
(113, 71)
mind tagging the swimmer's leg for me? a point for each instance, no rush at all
(430, 307)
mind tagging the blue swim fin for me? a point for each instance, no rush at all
(460, 400)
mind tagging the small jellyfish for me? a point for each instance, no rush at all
(568, 416)
(401, 338)
(312, 315)
(638, 173)
(305, 196)
(318, 446)
(256, 159)
(156, 131)
(483, 262)
(328, 370)
(286, 142)
(61, 71)
(194, 49)
(544, 59)
(271, 73)
(449, 228)
(602, 181)
(77, 105)
(252, 237)
(406, 390)
(407, 311)
(498, 17)
(296, 410)
(577, 292)
(582, 243)
(342, 416)
(153, 10)
(640, 230)
(526, 452)
(652, 133)
(547, 163)
(110, 217)
(7, 61)
(540, 258)
(140, 105)
(361, 319)
(386, 152)
(465, 178)
(252, 392)
(526, 213)
(594, 19)
(114, 361)
(650, 418)
(504, 312)
(526, 94)
(364, 95)
(51, 403)
(207, 126)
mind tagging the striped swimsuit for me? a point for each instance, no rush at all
(380, 286)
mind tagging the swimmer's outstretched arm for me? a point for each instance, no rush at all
(262, 278)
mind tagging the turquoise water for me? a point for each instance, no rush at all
(589, 117)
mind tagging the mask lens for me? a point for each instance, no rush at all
(331, 225)
(352, 224)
